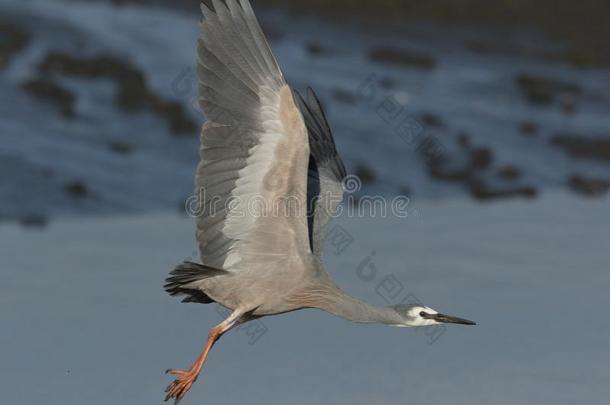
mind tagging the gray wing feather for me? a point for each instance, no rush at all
(326, 171)
(243, 95)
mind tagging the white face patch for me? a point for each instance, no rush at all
(417, 320)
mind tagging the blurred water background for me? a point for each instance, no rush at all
(494, 100)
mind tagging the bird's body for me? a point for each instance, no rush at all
(244, 290)
(268, 183)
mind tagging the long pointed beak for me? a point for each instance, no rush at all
(450, 319)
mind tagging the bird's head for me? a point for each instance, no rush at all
(419, 315)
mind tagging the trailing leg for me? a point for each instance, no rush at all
(186, 378)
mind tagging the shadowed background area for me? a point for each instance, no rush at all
(491, 116)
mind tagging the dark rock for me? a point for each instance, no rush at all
(477, 160)
(12, 40)
(442, 173)
(463, 140)
(440, 168)
(365, 173)
(133, 92)
(529, 128)
(47, 90)
(481, 158)
(432, 120)
(543, 91)
(120, 148)
(34, 221)
(94, 67)
(77, 190)
(583, 147)
(509, 172)
(430, 147)
(317, 49)
(592, 187)
(482, 192)
(175, 114)
(402, 58)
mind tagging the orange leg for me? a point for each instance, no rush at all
(185, 380)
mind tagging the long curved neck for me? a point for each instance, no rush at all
(328, 297)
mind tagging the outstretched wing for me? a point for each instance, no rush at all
(326, 171)
(254, 147)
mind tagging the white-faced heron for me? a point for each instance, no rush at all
(268, 183)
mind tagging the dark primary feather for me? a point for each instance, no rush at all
(184, 275)
(326, 170)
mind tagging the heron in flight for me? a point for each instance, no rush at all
(263, 148)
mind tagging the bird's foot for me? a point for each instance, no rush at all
(181, 385)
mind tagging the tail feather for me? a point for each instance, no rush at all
(183, 278)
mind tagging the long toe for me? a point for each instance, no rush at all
(179, 387)
(173, 371)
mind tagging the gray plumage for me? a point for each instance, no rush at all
(263, 148)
